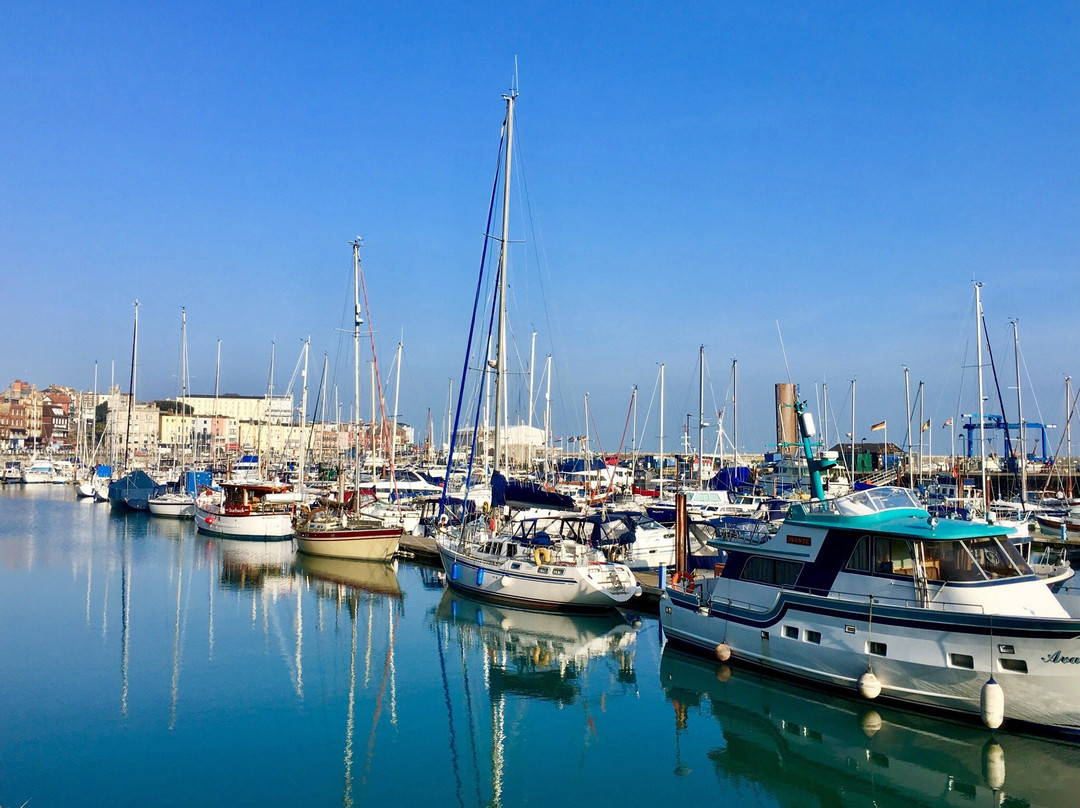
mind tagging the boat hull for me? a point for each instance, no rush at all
(172, 508)
(253, 527)
(927, 658)
(520, 582)
(363, 545)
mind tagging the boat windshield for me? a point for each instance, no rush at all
(871, 500)
(982, 559)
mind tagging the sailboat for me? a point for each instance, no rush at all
(134, 489)
(523, 562)
(337, 528)
(179, 502)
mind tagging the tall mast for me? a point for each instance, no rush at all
(853, 433)
(735, 411)
(393, 429)
(303, 417)
(183, 388)
(982, 417)
(701, 418)
(661, 430)
(131, 388)
(547, 415)
(922, 423)
(907, 416)
(1020, 411)
(1068, 435)
(217, 378)
(356, 371)
(500, 361)
(532, 370)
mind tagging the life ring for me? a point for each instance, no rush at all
(685, 579)
(541, 556)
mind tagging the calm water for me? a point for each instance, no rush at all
(143, 664)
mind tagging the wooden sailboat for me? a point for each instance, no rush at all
(337, 528)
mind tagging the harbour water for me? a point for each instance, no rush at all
(141, 663)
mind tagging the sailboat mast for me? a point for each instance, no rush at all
(1020, 411)
(661, 430)
(982, 417)
(183, 388)
(131, 388)
(735, 411)
(356, 371)
(303, 417)
(701, 418)
(393, 429)
(907, 414)
(500, 361)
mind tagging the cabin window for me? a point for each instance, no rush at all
(860, 556)
(876, 648)
(771, 571)
(962, 661)
(813, 636)
(974, 560)
(892, 557)
(791, 632)
(558, 571)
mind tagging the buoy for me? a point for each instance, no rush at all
(455, 572)
(871, 722)
(506, 580)
(479, 577)
(994, 764)
(723, 652)
(869, 685)
(636, 622)
(992, 700)
(723, 673)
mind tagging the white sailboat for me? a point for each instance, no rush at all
(515, 562)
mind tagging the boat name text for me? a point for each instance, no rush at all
(1057, 656)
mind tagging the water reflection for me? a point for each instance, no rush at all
(514, 656)
(262, 565)
(804, 747)
(358, 587)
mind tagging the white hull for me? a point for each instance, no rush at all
(257, 527)
(938, 657)
(522, 581)
(172, 507)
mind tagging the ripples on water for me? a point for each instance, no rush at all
(141, 663)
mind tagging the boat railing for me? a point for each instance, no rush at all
(707, 594)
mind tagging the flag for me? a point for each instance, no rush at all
(948, 422)
(878, 426)
(925, 426)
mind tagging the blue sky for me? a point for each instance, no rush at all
(687, 174)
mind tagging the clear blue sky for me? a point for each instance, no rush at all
(698, 172)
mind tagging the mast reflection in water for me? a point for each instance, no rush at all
(522, 657)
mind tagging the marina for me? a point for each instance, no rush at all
(148, 663)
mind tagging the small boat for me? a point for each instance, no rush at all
(871, 593)
(540, 562)
(132, 491)
(336, 530)
(40, 470)
(12, 471)
(257, 510)
(177, 501)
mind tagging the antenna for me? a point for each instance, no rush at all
(783, 351)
